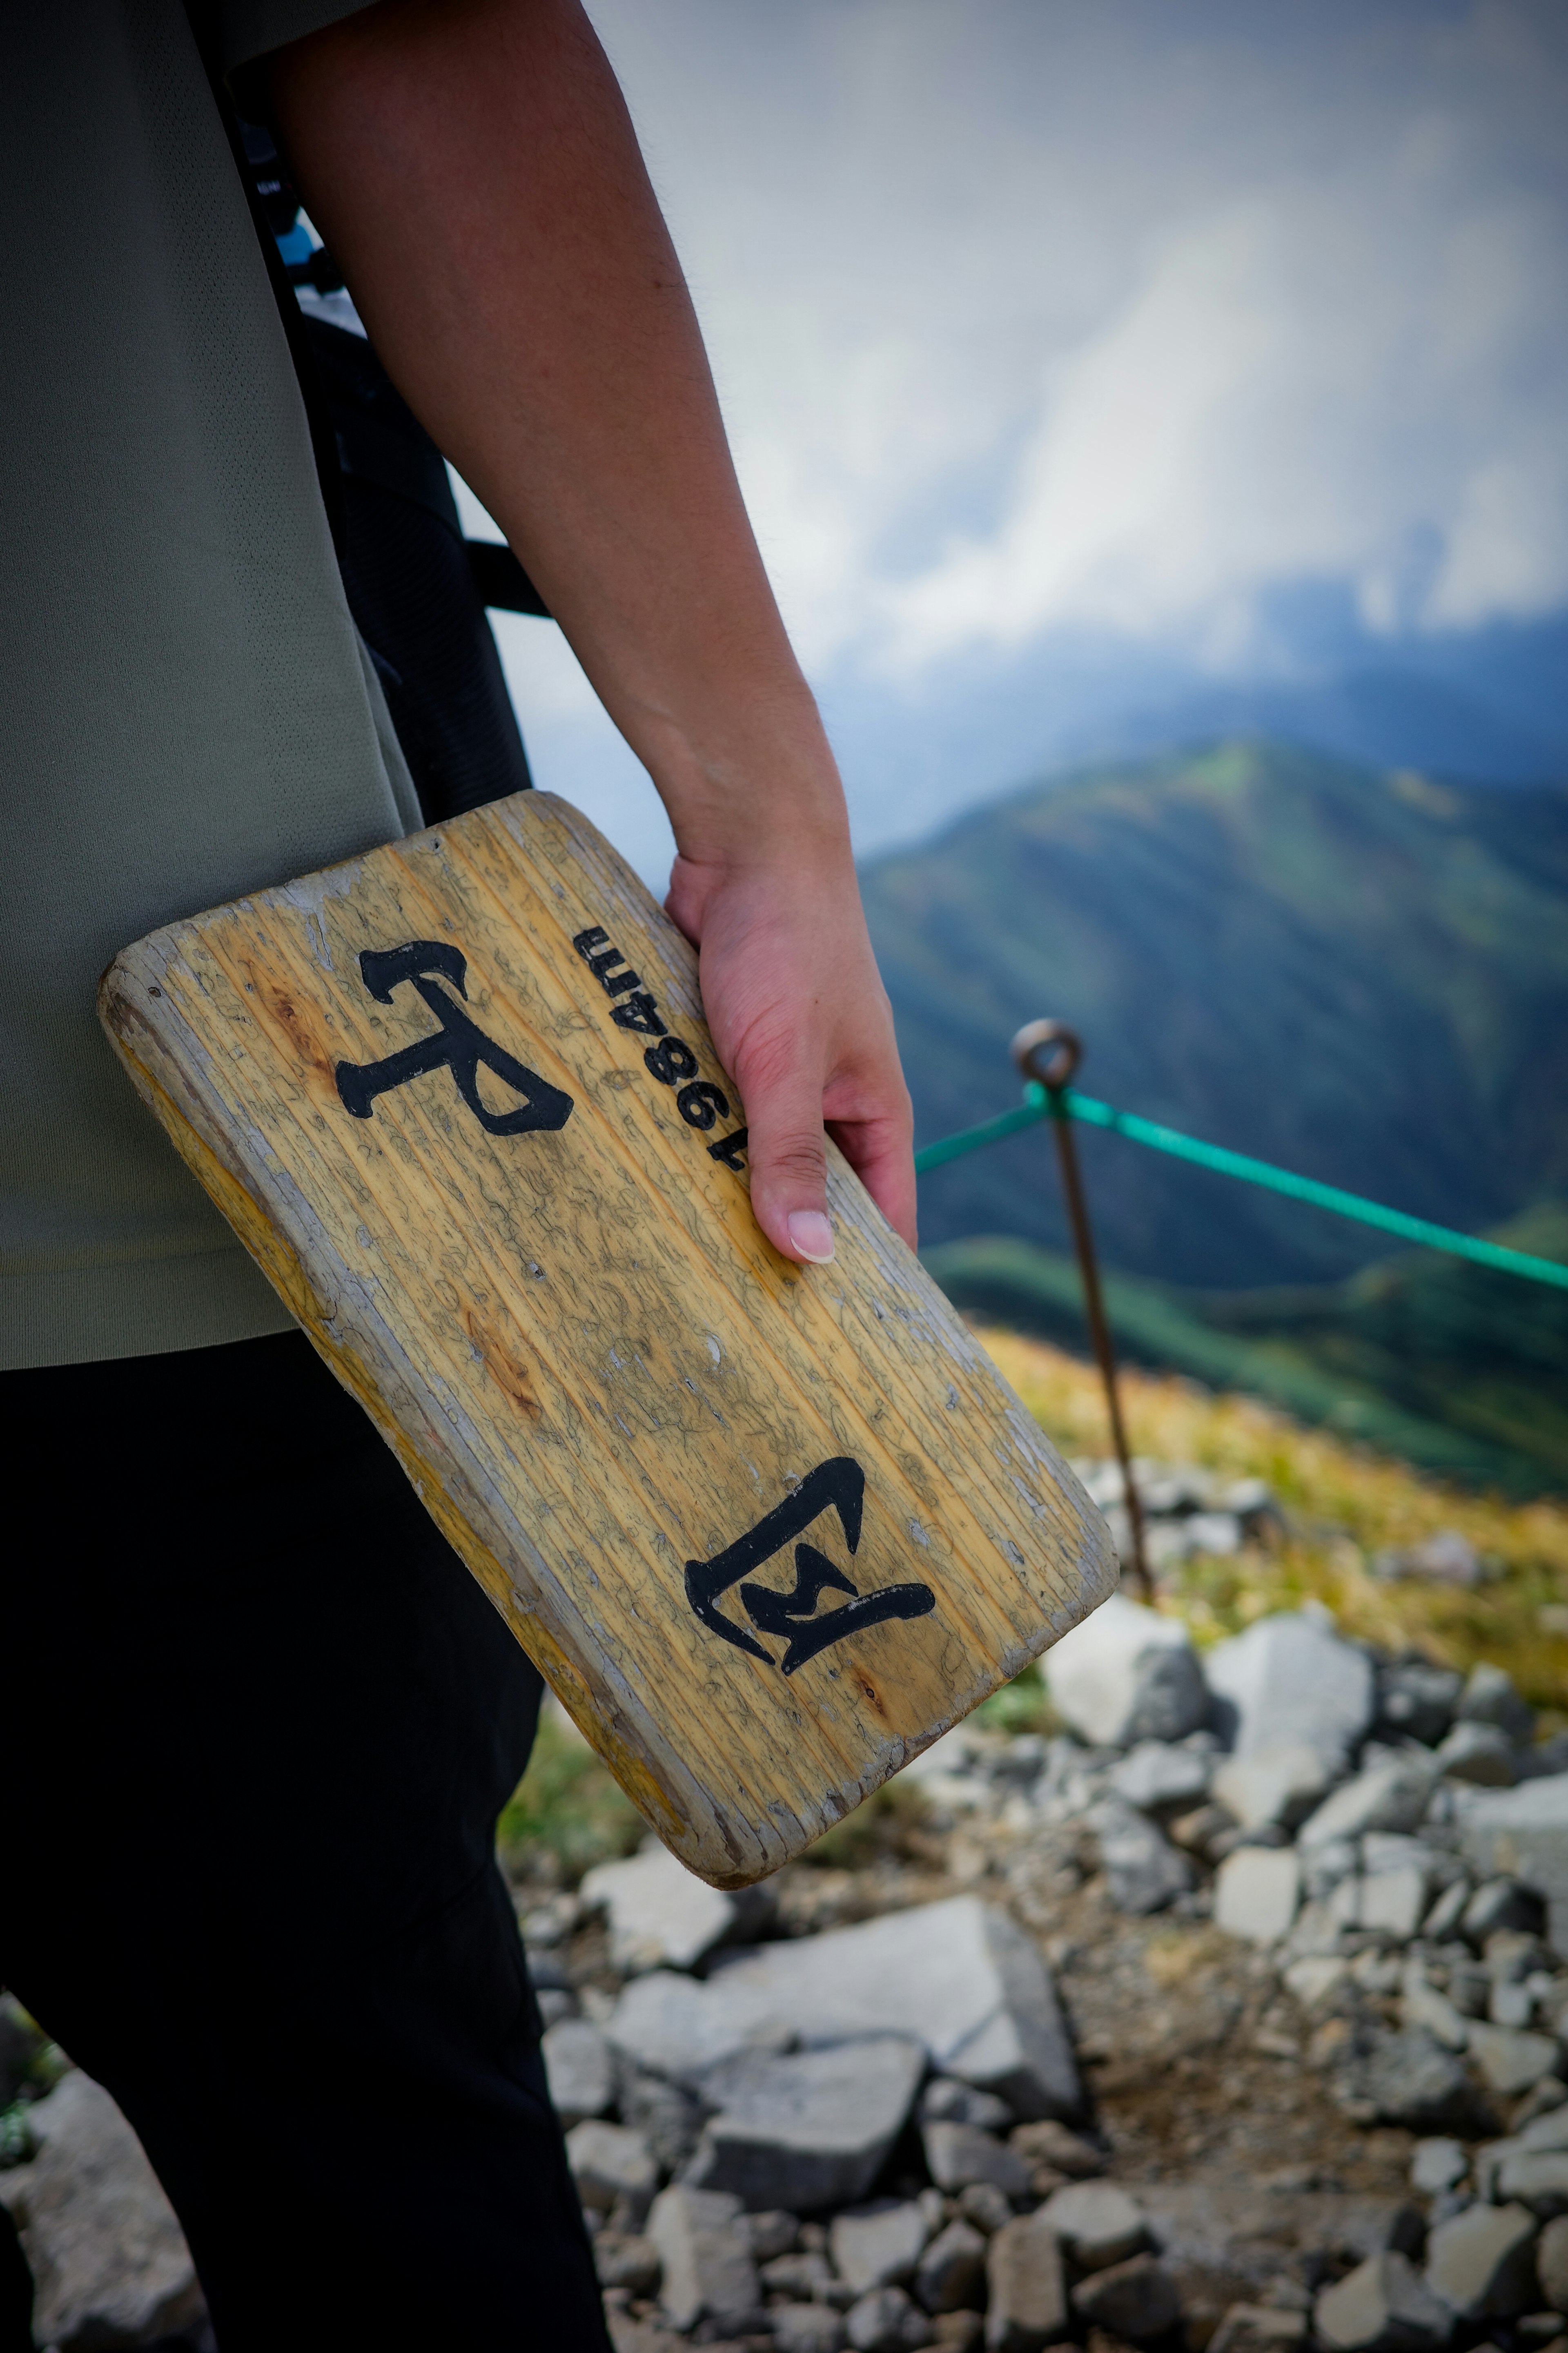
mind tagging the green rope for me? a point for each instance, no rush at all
(1037, 1104)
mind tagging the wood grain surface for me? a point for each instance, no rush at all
(767, 1530)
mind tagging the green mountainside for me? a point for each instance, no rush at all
(1455, 1369)
(1357, 973)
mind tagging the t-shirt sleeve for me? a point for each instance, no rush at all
(244, 30)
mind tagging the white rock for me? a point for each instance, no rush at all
(1382, 2305)
(1436, 2164)
(678, 2028)
(1256, 1893)
(1423, 2004)
(1479, 2262)
(1480, 1753)
(1510, 2061)
(1524, 1834)
(708, 2267)
(1287, 1680)
(660, 1916)
(1097, 2223)
(1127, 1674)
(108, 2256)
(1277, 1783)
(1389, 1796)
(959, 1977)
(1217, 1533)
(608, 2163)
(581, 2070)
(811, 2130)
(1393, 1901)
(880, 2246)
(1155, 1774)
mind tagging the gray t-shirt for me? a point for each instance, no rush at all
(185, 712)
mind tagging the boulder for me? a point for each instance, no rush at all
(1481, 2262)
(1155, 1775)
(813, 2130)
(108, 2256)
(581, 2068)
(1392, 1795)
(1026, 2305)
(959, 1977)
(1127, 1674)
(1259, 2328)
(1393, 1903)
(679, 2029)
(880, 2246)
(950, 2276)
(1382, 2306)
(1135, 2300)
(1143, 1870)
(1098, 2224)
(1409, 2079)
(1522, 1834)
(707, 2261)
(1256, 1893)
(1437, 2165)
(660, 1916)
(770, 2234)
(1287, 1680)
(1491, 1697)
(988, 2208)
(1424, 2007)
(1537, 2178)
(1551, 2263)
(612, 2167)
(957, 2155)
(1510, 2061)
(1480, 1753)
(808, 2328)
(886, 2321)
(1279, 1783)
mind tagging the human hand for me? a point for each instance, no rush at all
(802, 1022)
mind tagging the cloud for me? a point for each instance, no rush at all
(1101, 314)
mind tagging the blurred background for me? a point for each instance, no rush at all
(1151, 419)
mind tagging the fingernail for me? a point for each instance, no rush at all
(811, 1236)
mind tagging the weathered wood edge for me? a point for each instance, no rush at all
(279, 1229)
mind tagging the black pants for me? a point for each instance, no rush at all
(259, 1721)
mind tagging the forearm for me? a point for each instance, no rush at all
(472, 166)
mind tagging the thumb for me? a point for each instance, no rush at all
(788, 1152)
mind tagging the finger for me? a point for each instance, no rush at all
(880, 1152)
(786, 1145)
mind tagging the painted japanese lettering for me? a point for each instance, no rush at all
(837, 1485)
(459, 1045)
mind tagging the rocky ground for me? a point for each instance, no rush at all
(1231, 2013)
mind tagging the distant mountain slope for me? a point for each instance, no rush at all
(1456, 1368)
(1359, 975)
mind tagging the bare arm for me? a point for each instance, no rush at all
(473, 168)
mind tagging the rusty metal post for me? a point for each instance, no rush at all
(1049, 1053)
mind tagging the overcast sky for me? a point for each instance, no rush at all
(1034, 317)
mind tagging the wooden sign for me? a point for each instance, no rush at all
(767, 1530)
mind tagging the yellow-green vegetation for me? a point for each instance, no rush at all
(1343, 1504)
(567, 1812)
